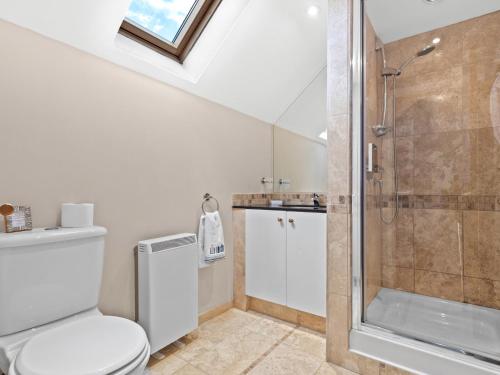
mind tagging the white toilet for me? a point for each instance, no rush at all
(49, 321)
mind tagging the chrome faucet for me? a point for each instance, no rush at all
(315, 199)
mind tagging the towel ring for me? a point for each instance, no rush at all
(206, 198)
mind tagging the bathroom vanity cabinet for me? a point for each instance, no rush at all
(265, 255)
(285, 258)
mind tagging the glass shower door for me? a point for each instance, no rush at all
(431, 173)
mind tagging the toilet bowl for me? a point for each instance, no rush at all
(100, 345)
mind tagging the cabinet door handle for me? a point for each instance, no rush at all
(280, 220)
(291, 221)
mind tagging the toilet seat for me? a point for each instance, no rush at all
(102, 345)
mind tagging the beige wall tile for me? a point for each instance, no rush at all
(480, 94)
(372, 74)
(482, 292)
(372, 255)
(239, 295)
(443, 163)
(337, 257)
(367, 366)
(310, 321)
(338, 55)
(337, 327)
(296, 317)
(398, 240)
(269, 308)
(337, 342)
(405, 159)
(405, 156)
(486, 174)
(371, 105)
(437, 241)
(390, 254)
(480, 39)
(482, 244)
(441, 285)
(429, 102)
(398, 278)
(212, 314)
(339, 163)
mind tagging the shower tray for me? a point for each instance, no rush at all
(459, 326)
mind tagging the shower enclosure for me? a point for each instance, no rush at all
(426, 182)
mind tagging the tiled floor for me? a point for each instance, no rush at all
(238, 342)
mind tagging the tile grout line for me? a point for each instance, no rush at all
(190, 364)
(267, 352)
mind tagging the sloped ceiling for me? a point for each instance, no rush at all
(255, 56)
(397, 19)
(307, 115)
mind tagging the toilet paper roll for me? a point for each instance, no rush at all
(77, 215)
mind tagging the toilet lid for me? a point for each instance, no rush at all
(91, 346)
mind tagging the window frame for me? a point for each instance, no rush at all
(186, 38)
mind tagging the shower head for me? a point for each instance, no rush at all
(424, 51)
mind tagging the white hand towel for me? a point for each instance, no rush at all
(211, 236)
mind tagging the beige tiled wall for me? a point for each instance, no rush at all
(339, 192)
(448, 143)
(239, 295)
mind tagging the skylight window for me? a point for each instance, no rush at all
(170, 27)
(160, 17)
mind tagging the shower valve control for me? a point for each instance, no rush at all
(372, 165)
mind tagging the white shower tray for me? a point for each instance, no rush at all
(455, 325)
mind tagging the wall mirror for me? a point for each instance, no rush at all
(299, 142)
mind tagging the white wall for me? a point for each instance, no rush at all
(75, 128)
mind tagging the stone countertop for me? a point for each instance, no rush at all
(297, 208)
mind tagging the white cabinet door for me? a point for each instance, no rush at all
(306, 262)
(265, 255)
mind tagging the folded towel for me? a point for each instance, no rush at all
(211, 236)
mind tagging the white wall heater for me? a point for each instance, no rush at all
(168, 288)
